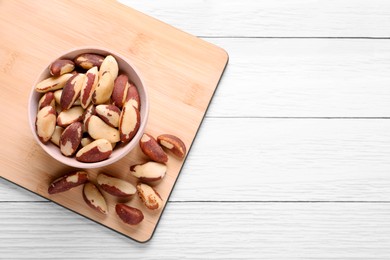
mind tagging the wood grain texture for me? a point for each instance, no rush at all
(205, 231)
(280, 18)
(283, 160)
(180, 72)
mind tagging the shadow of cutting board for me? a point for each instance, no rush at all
(180, 71)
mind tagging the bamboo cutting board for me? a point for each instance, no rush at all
(180, 71)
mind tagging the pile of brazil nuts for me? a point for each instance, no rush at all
(87, 107)
(147, 175)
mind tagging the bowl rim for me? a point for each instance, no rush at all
(127, 148)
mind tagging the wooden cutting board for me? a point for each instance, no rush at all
(180, 70)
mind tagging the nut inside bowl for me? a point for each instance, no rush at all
(125, 67)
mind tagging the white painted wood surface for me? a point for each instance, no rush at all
(292, 160)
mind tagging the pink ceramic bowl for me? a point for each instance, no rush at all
(126, 67)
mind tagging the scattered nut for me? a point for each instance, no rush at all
(149, 172)
(59, 67)
(149, 196)
(173, 143)
(152, 149)
(129, 215)
(94, 198)
(68, 181)
(45, 123)
(115, 186)
(96, 151)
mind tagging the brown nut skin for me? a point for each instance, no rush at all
(60, 67)
(47, 100)
(121, 85)
(133, 96)
(152, 149)
(45, 123)
(88, 60)
(129, 215)
(93, 197)
(149, 196)
(173, 144)
(71, 138)
(115, 186)
(149, 172)
(129, 122)
(71, 91)
(68, 181)
(96, 151)
(89, 86)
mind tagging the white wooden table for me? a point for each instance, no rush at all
(292, 160)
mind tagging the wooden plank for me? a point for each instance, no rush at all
(304, 78)
(180, 71)
(280, 18)
(205, 230)
(282, 160)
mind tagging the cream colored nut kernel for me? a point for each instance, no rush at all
(149, 171)
(68, 181)
(70, 116)
(129, 122)
(45, 123)
(96, 151)
(115, 186)
(61, 66)
(86, 141)
(52, 83)
(71, 91)
(98, 129)
(71, 138)
(89, 86)
(149, 196)
(94, 198)
(55, 138)
(103, 89)
(57, 96)
(109, 64)
(109, 114)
